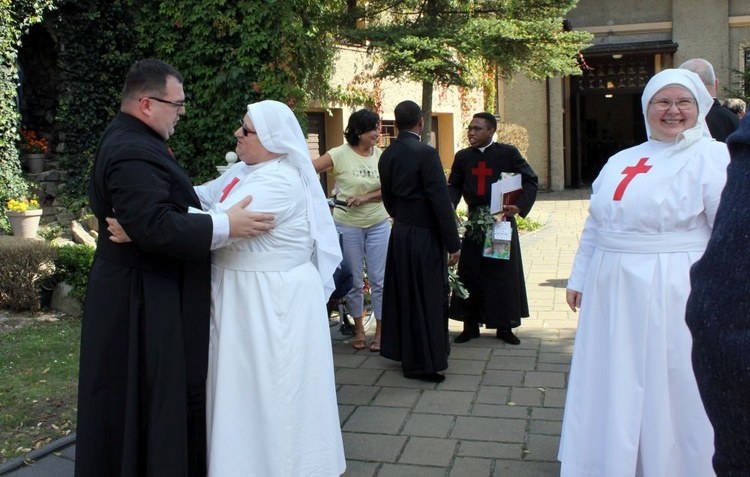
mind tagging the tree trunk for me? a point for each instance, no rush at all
(427, 87)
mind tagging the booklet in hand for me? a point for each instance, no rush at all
(505, 191)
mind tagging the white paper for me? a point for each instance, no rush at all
(508, 182)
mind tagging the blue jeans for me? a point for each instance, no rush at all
(365, 245)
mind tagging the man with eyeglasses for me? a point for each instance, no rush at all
(720, 121)
(497, 290)
(144, 338)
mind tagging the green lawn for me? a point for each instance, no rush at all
(38, 385)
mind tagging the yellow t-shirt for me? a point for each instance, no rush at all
(357, 175)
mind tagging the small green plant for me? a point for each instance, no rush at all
(23, 263)
(527, 224)
(72, 266)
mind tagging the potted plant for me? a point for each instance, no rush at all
(34, 148)
(24, 215)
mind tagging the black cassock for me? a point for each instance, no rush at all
(415, 293)
(497, 290)
(144, 341)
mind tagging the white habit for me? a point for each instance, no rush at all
(633, 407)
(272, 408)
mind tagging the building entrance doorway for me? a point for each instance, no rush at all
(606, 112)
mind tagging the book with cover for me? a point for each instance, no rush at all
(505, 191)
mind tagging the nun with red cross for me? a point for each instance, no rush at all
(633, 406)
(497, 290)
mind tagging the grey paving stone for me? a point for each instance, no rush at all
(445, 402)
(428, 425)
(376, 420)
(375, 361)
(556, 358)
(472, 353)
(521, 363)
(429, 451)
(500, 410)
(554, 398)
(355, 394)
(542, 448)
(466, 366)
(461, 382)
(345, 411)
(471, 467)
(364, 377)
(372, 447)
(526, 396)
(549, 428)
(553, 367)
(355, 468)
(544, 379)
(564, 346)
(396, 379)
(503, 378)
(390, 470)
(546, 413)
(397, 397)
(49, 466)
(489, 429)
(341, 360)
(517, 468)
(490, 450)
(515, 352)
(493, 394)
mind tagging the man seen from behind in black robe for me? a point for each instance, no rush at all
(144, 338)
(497, 289)
(415, 291)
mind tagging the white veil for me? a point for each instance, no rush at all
(279, 132)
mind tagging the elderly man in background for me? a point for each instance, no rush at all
(721, 122)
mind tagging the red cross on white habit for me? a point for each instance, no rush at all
(630, 172)
(481, 171)
(228, 188)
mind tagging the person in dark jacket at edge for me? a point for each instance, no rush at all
(718, 315)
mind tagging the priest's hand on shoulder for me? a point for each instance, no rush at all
(246, 224)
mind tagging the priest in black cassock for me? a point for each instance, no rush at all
(497, 290)
(415, 292)
(144, 338)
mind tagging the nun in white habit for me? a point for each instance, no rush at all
(272, 408)
(633, 407)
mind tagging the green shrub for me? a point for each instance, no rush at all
(23, 263)
(72, 266)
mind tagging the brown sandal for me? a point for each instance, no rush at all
(359, 342)
(375, 346)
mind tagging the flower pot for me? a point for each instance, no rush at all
(35, 163)
(24, 224)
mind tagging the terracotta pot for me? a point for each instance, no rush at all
(35, 163)
(24, 224)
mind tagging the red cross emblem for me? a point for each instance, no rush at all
(630, 172)
(481, 171)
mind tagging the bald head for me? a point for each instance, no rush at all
(705, 71)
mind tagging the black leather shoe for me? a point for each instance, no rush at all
(508, 337)
(467, 335)
(428, 377)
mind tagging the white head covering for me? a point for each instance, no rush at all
(279, 132)
(691, 82)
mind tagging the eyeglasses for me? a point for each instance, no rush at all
(684, 104)
(477, 129)
(245, 130)
(176, 104)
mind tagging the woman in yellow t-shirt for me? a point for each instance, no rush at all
(364, 225)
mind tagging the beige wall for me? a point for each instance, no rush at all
(354, 69)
